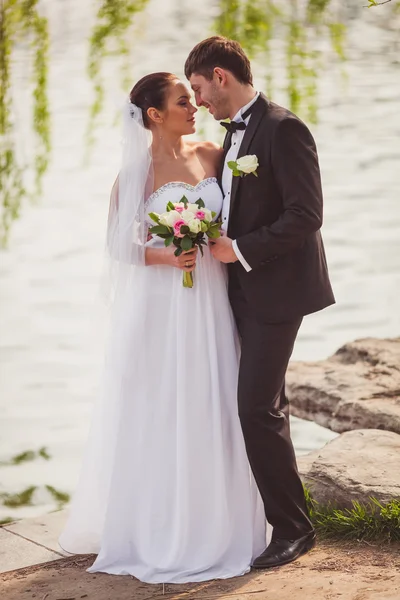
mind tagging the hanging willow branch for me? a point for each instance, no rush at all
(375, 3)
(109, 37)
(254, 23)
(20, 21)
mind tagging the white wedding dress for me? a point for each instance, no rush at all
(165, 492)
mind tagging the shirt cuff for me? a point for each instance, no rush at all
(240, 256)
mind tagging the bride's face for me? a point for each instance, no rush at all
(178, 116)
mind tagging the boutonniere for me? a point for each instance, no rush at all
(244, 165)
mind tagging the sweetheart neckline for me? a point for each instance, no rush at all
(187, 185)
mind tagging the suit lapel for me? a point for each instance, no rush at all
(257, 114)
(225, 146)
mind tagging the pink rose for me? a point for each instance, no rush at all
(179, 209)
(200, 215)
(177, 227)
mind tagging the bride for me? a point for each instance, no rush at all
(165, 492)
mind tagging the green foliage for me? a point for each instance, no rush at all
(200, 203)
(60, 497)
(22, 25)
(6, 521)
(186, 243)
(109, 37)
(214, 231)
(154, 217)
(44, 454)
(255, 23)
(252, 24)
(159, 230)
(372, 3)
(27, 456)
(23, 498)
(364, 521)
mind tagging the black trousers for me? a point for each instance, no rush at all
(264, 416)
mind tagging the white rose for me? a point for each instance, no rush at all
(247, 164)
(208, 215)
(192, 208)
(187, 215)
(170, 218)
(194, 225)
(163, 219)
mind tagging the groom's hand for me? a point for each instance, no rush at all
(221, 249)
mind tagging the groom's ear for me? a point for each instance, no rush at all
(220, 75)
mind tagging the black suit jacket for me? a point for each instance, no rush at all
(276, 218)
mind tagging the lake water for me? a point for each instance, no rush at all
(51, 351)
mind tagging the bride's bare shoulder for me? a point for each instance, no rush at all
(208, 152)
(210, 148)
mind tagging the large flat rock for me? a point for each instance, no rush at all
(356, 388)
(354, 466)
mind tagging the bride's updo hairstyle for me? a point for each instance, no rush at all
(151, 92)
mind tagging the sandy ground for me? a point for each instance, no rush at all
(349, 572)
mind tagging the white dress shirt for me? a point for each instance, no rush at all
(227, 175)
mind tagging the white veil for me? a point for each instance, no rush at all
(126, 294)
(126, 228)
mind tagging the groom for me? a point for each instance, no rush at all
(277, 271)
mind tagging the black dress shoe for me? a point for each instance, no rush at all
(280, 552)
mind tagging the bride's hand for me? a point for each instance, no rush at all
(186, 261)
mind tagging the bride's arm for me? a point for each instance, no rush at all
(152, 256)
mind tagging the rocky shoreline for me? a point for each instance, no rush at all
(356, 388)
(355, 392)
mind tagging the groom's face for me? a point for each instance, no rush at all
(210, 94)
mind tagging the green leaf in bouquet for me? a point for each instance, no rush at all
(200, 203)
(216, 225)
(255, 173)
(170, 207)
(184, 229)
(169, 240)
(232, 164)
(186, 243)
(154, 217)
(160, 229)
(178, 251)
(213, 213)
(213, 233)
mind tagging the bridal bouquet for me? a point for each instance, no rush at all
(184, 225)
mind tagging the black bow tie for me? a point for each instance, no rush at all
(233, 126)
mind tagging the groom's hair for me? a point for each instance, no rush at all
(218, 51)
